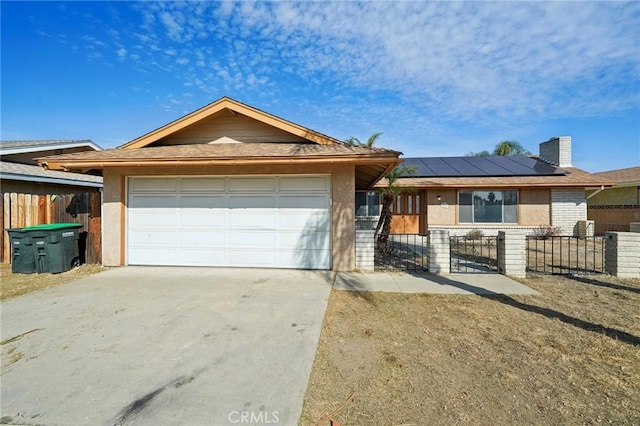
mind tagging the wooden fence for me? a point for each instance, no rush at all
(21, 210)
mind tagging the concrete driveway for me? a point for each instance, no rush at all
(158, 346)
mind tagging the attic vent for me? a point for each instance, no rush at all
(223, 139)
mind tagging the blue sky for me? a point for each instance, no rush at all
(437, 78)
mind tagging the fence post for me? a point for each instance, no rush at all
(622, 254)
(365, 250)
(512, 253)
(439, 253)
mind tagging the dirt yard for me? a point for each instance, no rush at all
(14, 285)
(568, 356)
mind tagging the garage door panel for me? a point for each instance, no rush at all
(152, 220)
(251, 184)
(307, 220)
(153, 184)
(318, 240)
(201, 219)
(153, 237)
(152, 256)
(188, 202)
(304, 202)
(153, 201)
(248, 221)
(254, 220)
(252, 258)
(252, 201)
(201, 257)
(252, 239)
(305, 259)
(304, 183)
(202, 184)
(201, 238)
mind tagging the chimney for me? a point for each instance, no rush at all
(557, 151)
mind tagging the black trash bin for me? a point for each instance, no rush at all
(55, 246)
(23, 259)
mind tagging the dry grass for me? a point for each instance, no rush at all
(568, 356)
(14, 285)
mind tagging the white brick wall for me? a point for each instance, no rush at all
(439, 253)
(365, 250)
(568, 206)
(622, 254)
(512, 253)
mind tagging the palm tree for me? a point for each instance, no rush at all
(353, 141)
(503, 148)
(387, 195)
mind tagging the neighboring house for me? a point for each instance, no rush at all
(20, 173)
(614, 208)
(230, 185)
(492, 193)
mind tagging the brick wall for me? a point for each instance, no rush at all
(568, 206)
(365, 250)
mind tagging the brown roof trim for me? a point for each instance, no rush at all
(88, 164)
(233, 105)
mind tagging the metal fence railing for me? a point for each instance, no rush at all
(473, 254)
(403, 252)
(565, 255)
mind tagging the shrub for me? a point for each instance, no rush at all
(474, 234)
(545, 232)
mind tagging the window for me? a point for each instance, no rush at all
(367, 203)
(488, 206)
(406, 204)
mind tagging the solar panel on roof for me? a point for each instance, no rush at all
(465, 165)
(517, 165)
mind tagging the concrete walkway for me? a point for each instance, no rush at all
(403, 282)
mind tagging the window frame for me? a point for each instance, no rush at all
(368, 205)
(472, 206)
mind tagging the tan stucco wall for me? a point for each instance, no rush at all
(535, 207)
(343, 204)
(112, 219)
(343, 186)
(615, 196)
(443, 211)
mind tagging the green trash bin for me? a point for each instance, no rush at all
(23, 259)
(55, 246)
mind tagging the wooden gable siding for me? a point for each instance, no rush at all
(226, 124)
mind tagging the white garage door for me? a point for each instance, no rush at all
(279, 222)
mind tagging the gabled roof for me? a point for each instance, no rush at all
(32, 173)
(25, 146)
(622, 177)
(236, 107)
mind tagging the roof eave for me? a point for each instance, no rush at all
(50, 164)
(10, 151)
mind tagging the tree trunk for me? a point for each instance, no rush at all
(384, 223)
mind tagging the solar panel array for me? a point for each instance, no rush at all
(513, 165)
